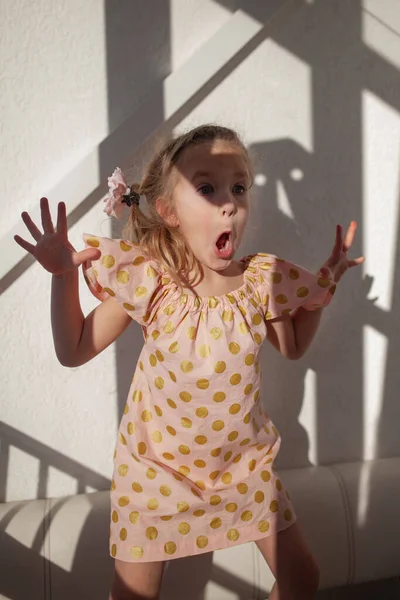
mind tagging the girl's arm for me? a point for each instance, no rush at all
(78, 339)
(292, 335)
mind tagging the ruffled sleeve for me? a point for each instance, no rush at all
(284, 286)
(123, 273)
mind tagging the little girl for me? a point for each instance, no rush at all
(194, 462)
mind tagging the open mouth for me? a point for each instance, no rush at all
(223, 245)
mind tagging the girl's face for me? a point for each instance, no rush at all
(211, 201)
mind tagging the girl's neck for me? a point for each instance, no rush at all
(214, 283)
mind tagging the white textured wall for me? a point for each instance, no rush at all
(318, 103)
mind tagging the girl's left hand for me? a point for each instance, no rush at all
(338, 263)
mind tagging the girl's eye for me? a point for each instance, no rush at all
(206, 189)
(239, 189)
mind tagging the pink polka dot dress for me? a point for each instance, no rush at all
(194, 461)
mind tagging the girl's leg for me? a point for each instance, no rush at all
(292, 564)
(136, 581)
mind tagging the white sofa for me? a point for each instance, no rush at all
(58, 548)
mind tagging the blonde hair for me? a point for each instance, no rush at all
(157, 239)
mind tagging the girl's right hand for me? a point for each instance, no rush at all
(53, 250)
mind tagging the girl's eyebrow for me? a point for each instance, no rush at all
(237, 175)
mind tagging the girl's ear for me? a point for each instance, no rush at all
(166, 213)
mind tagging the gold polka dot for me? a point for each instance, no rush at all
(113, 485)
(156, 436)
(248, 389)
(170, 548)
(137, 552)
(151, 473)
(227, 478)
(252, 464)
(216, 333)
(201, 412)
(174, 348)
(146, 416)
(166, 518)
(172, 375)
(242, 488)
(235, 379)
(200, 439)
(93, 242)
(186, 366)
(186, 422)
(278, 484)
(259, 497)
(138, 261)
(126, 409)
(108, 261)
(200, 463)
(199, 513)
(123, 534)
(257, 338)
(134, 517)
(201, 541)
(265, 476)
(160, 355)
(168, 328)
(243, 328)
(184, 470)
(234, 348)
(247, 515)
(140, 291)
(227, 455)
(220, 366)
(200, 484)
(182, 507)
(159, 383)
(246, 418)
(184, 528)
(137, 396)
(155, 334)
(214, 475)
(231, 507)
(191, 332)
(151, 533)
(288, 514)
(123, 501)
(244, 442)
(137, 487)
(227, 315)
(131, 428)
(165, 490)
(274, 506)
(122, 439)
(216, 523)
(152, 504)
(204, 351)
(203, 384)
(218, 425)
(171, 403)
(263, 526)
(256, 319)
(249, 360)
(215, 452)
(237, 458)
(123, 470)
(113, 550)
(233, 436)
(219, 397)
(183, 449)
(185, 396)
(170, 430)
(142, 448)
(215, 500)
(168, 456)
(114, 516)
(234, 409)
(323, 282)
(232, 535)
(152, 360)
